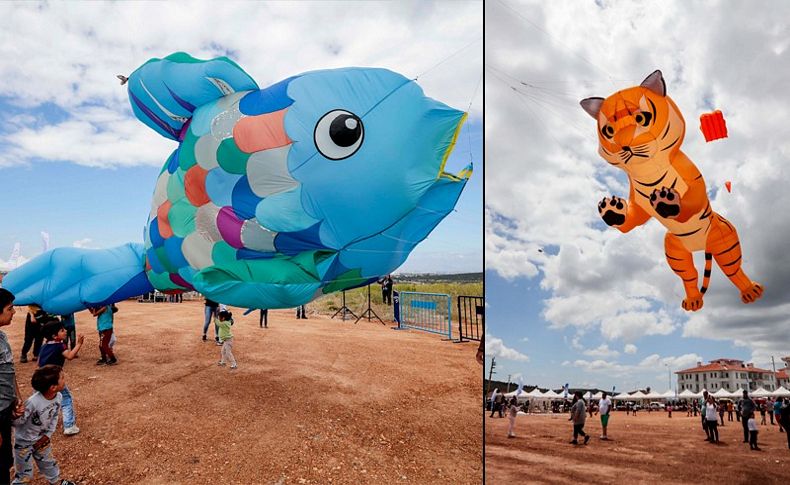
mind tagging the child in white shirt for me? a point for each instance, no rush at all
(34, 428)
(752, 424)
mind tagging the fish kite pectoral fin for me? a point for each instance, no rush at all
(123, 79)
(67, 280)
(164, 93)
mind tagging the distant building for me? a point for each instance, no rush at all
(730, 375)
(783, 375)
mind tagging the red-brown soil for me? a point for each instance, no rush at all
(649, 448)
(314, 401)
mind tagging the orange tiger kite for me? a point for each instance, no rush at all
(640, 131)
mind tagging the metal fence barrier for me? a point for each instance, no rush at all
(429, 312)
(471, 317)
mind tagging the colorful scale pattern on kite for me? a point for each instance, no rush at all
(240, 213)
(322, 182)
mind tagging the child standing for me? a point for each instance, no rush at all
(712, 420)
(512, 412)
(225, 320)
(34, 428)
(55, 352)
(752, 423)
(104, 324)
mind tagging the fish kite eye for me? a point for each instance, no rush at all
(338, 134)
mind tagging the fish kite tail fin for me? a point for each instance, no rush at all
(67, 280)
(164, 93)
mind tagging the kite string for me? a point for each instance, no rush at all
(558, 41)
(469, 109)
(448, 58)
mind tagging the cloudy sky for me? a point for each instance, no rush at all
(572, 300)
(76, 164)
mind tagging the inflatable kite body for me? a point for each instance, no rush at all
(322, 182)
(640, 131)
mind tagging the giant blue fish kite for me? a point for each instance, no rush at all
(321, 182)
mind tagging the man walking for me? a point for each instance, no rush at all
(604, 406)
(702, 404)
(578, 415)
(747, 411)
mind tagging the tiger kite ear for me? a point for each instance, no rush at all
(655, 82)
(592, 106)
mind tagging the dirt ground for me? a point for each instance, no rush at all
(647, 448)
(314, 401)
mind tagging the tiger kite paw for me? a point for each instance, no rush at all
(692, 303)
(752, 294)
(613, 210)
(666, 202)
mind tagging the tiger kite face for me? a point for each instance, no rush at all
(637, 126)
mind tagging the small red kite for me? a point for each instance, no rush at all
(713, 126)
(728, 184)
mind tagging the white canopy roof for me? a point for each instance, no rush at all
(687, 394)
(738, 392)
(638, 395)
(587, 396)
(551, 395)
(597, 395)
(722, 393)
(781, 392)
(670, 394)
(622, 396)
(535, 393)
(760, 392)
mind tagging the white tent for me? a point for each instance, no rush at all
(761, 393)
(587, 396)
(597, 395)
(737, 393)
(638, 395)
(781, 392)
(652, 395)
(535, 393)
(623, 396)
(687, 394)
(670, 394)
(722, 393)
(551, 395)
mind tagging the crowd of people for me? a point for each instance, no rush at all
(710, 410)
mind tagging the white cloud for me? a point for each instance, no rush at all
(650, 363)
(442, 43)
(496, 348)
(544, 176)
(602, 351)
(83, 243)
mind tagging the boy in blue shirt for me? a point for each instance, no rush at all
(104, 324)
(56, 352)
